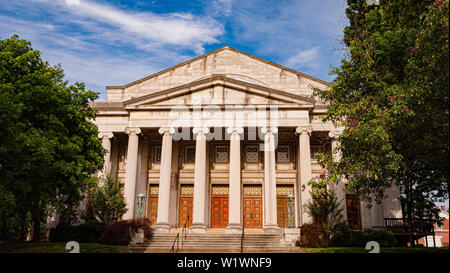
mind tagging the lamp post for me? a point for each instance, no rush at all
(290, 202)
(140, 205)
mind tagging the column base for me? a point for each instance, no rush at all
(198, 228)
(272, 229)
(233, 229)
(161, 228)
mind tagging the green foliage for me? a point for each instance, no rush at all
(85, 233)
(326, 211)
(324, 206)
(48, 145)
(356, 238)
(105, 203)
(391, 95)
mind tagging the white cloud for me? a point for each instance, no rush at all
(181, 29)
(304, 58)
(84, 59)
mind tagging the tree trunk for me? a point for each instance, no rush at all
(36, 230)
(23, 227)
(4, 227)
(36, 216)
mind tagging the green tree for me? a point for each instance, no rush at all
(391, 96)
(48, 145)
(105, 203)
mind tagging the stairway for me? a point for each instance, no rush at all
(215, 242)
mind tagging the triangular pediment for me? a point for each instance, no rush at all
(223, 61)
(219, 90)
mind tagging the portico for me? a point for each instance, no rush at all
(219, 141)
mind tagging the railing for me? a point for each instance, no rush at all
(176, 241)
(184, 233)
(402, 225)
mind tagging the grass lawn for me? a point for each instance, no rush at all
(444, 250)
(32, 247)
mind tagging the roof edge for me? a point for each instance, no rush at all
(210, 53)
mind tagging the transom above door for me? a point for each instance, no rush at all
(252, 203)
(219, 206)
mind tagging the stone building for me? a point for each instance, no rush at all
(222, 141)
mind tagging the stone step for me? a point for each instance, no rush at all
(214, 241)
(210, 250)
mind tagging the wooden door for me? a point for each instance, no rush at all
(353, 211)
(185, 211)
(252, 212)
(282, 212)
(152, 210)
(219, 211)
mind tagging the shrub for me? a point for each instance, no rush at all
(354, 238)
(105, 203)
(85, 233)
(313, 235)
(118, 233)
(142, 223)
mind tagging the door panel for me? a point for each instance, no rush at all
(219, 211)
(185, 210)
(252, 212)
(282, 212)
(152, 210)
(353, 211)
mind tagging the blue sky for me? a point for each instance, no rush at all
(116, 42)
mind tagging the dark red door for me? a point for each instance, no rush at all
(219, 211)
(353, 211)
(185, 211)
(252, 212)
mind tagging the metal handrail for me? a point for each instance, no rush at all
(177, 241)
(184, 233)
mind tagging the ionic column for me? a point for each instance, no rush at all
(131, 171)
(106, 143)
(339, 189)
(199, 209)
(234, 217)
(162, 220)
(270, 184)
(304, 133)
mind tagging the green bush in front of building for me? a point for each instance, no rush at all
(355, 238)
(85, 233)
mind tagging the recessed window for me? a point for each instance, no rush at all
(283, 154)
(157, 157)
(221, 154)
(252, 154)
(189, 154)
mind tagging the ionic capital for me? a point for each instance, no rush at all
(268, 130)
(204, 130)
(133, 130)
(168, 130)
(334, 134)
(103, 135)
(231, 130)
(304, 130)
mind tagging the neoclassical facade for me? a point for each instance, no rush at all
(223, 141)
